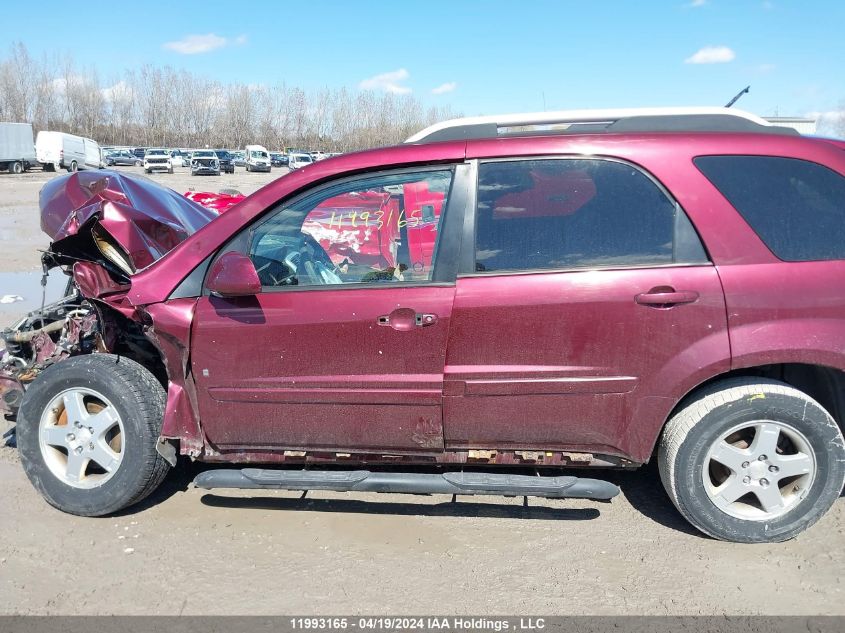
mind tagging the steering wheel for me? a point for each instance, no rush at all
(315, 261)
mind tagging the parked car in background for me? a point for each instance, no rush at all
(122, 157)
(295, 161)
(277, 159)
(157, 159)
(227, 164)
(633, 285)
(138, 152)
(179, 158)
(205, 161)
(239, 159)
(218, 202)
(17, 150)
(58, 150)
(257, 158)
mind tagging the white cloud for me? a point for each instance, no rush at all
(388, 82)
(121, 91)
(697, 3)
(829, 122)
(195, 44)
(240, 40)
(711, 55)
(442, 89)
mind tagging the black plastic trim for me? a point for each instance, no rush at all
(459, 483)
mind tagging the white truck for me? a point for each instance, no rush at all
(58, 150)
(17, 151)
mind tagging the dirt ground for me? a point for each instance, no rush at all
(189, 551)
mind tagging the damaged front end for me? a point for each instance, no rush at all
(42, 338)
(105, 227)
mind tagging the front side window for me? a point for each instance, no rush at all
(795, 206)
(573, 213)
(381, 229)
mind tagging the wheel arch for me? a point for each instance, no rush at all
(824, 384)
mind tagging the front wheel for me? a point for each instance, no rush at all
(752, 460)
(87, 432)
(72, 167)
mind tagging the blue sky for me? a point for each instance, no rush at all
(485, 57)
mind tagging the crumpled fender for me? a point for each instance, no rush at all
(168, 327)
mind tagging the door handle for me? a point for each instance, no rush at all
(404, 319)
(666, 297)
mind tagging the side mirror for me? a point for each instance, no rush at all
(233, 275)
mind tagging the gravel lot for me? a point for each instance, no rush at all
(189, 551)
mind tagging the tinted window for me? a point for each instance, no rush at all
(547, 214)
(795, 206)
(380, 229)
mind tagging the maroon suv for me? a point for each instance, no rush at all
(496, 296)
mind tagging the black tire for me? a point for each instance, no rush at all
(703, 420)
(137, 397)
(72, 167)
(170, 170)
(17, 167)
(137, 163)
(148, 171)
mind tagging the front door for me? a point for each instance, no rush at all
(345, 346)
(591, 300)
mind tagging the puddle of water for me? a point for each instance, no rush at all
(27, 285)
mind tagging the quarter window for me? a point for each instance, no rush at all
(572, 213)
(795, 206)
(381, 229)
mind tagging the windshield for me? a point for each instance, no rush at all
(156, 152)
(223, 155)
(258, 154)
(205, 155)
(302, 159)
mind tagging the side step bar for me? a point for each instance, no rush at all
(455, 483)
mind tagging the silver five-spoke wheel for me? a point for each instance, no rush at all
(759, 470)
(81, 438)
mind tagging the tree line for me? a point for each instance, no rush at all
(164, 106)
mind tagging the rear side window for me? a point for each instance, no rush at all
(575, 213)
(795, 206)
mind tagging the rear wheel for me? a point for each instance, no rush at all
(752, 460)
(73, 166)
(87, 432)
(137, 163)
(17, 167)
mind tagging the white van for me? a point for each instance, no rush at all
(257, 158)
(57, 150)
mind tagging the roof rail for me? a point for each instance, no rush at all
(628, 120)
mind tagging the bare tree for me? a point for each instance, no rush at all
(169, 107)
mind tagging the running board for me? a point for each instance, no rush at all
(453, 483)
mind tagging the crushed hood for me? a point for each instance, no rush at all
(129, 220)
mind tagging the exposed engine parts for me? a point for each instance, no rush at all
(65, 328)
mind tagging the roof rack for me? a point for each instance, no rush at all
(629, 120)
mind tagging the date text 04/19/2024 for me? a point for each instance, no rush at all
(454, 623)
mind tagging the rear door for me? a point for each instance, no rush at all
(345, 346)
(586, 300)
